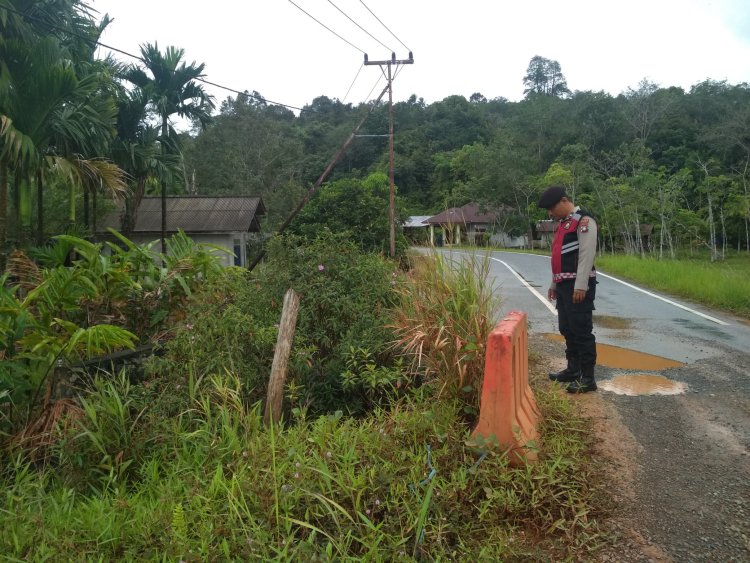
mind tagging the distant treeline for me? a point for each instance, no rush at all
(651, 158)
(73, 126)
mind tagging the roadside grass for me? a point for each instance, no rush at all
(401, 483)
(442, 322)
(181, 467)
(722, 284)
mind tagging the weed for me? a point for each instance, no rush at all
(442, 323)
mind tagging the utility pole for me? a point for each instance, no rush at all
(392, 195)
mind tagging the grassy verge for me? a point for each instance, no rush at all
(401, 483)
(178, 466)
(724, 285)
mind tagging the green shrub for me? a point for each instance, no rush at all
(355, 208)
(225, 327)
(344, 299)
(53, 312)
(345, 296)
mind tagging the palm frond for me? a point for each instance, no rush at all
(92, 174)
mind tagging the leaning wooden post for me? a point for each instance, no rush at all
(281, 357)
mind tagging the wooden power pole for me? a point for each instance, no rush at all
(392, 195)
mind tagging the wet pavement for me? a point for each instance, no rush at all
(692, 492)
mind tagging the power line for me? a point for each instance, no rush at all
(328, 28)
(359, 26)
(373, 88)
(385, 26)
(353, 81)
(139, 58)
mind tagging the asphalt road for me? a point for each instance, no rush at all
(647, 321)
(690, 497)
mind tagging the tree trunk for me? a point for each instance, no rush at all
(164, 131)
(71, 206)
(93, 212)
(24, 209)
(711, 231)
(723, 233)
(3, 212)
(39, 207)
(86, 216)
(281, 357)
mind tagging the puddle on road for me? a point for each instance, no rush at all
(642, 384)
(622, 358)
(607, 321)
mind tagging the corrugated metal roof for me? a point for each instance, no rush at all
(546, 226)
(416, 221)
(194, 214)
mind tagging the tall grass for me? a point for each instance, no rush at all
(222, 486)
(182, 467)
(725, 285)
(443, 319)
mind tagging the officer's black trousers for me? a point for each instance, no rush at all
(575, 323)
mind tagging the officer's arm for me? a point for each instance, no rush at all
(552, 292)
(586, 252)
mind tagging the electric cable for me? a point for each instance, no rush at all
(367, 98)
(139, 58)
(359, 26)
(353, 81)
(385, 26)
(328, 28)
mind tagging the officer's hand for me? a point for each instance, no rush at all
(579, 295)
(551, 294)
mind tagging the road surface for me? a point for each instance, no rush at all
(688, 454)
(656, 324)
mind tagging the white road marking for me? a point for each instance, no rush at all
(526, 284)
(600, 273)
(679, 305)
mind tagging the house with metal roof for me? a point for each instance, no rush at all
(416, 229)
(225, 221)
(545, 231)
(457, 223)
(470, 224)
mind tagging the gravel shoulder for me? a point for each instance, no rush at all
(677, 468)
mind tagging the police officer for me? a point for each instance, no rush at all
(573, 287)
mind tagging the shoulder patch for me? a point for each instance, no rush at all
(583, 222)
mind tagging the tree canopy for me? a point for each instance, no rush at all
(653, 155)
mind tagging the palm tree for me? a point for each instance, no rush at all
(171, 89)
(49, 118)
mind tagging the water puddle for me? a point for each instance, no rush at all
(607, 321)
(623, 358)
(642, 384)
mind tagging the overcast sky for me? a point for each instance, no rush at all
(459, 47)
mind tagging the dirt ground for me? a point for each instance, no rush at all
(677, 468)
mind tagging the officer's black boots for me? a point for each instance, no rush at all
(570, 373)
(586, 382)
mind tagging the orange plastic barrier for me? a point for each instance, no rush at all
(508, 412)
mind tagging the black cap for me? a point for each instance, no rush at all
(551, 196)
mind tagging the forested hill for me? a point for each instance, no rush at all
(76, 129)
(677, 160)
